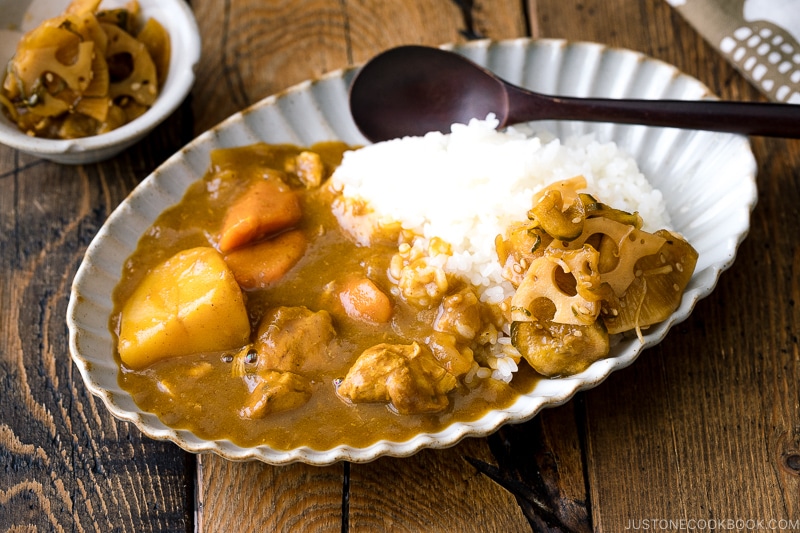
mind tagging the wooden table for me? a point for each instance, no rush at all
(703, 429)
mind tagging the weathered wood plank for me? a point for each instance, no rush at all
(252, 49)
(434, 490)
(255, 497)
(541, 462)
(67, 464)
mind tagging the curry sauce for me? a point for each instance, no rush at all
(206, 392)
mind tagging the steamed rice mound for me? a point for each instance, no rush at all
(466, 187)
(455, 193)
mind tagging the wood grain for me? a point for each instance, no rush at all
(435, 490)
(254, 497)
(252, 48)
(542, 464)
(67, 464)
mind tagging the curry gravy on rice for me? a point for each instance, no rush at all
(271, 307)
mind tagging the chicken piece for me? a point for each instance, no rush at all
(460, 315)
(406, 375)
(309, 169)
(453, 356)
(259, 265)
(267, 207)
(274, 391)
(294, 339)
(362, 300)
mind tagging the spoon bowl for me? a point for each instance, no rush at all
(411, 90)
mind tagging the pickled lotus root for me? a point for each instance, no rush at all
(85, 72)
(583, 271)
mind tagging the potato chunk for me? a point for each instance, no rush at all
(188, 304)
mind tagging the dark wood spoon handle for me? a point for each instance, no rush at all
(748, 118)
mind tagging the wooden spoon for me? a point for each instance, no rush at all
(411, 90)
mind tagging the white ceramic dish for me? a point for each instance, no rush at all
(17, 18)
(708, 181)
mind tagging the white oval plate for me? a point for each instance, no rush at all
(708, 182)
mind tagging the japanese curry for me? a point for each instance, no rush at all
(265, 308)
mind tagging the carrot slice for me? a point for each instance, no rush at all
(259, 265)
(268, 206)
(363, 300)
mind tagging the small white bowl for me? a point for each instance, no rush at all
(18, 18)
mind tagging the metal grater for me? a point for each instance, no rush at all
(760, 38)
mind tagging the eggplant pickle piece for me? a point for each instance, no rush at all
(594, 208)
(562, 223)
(554, 349)
(524, 242)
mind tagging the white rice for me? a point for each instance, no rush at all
(466, 187)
